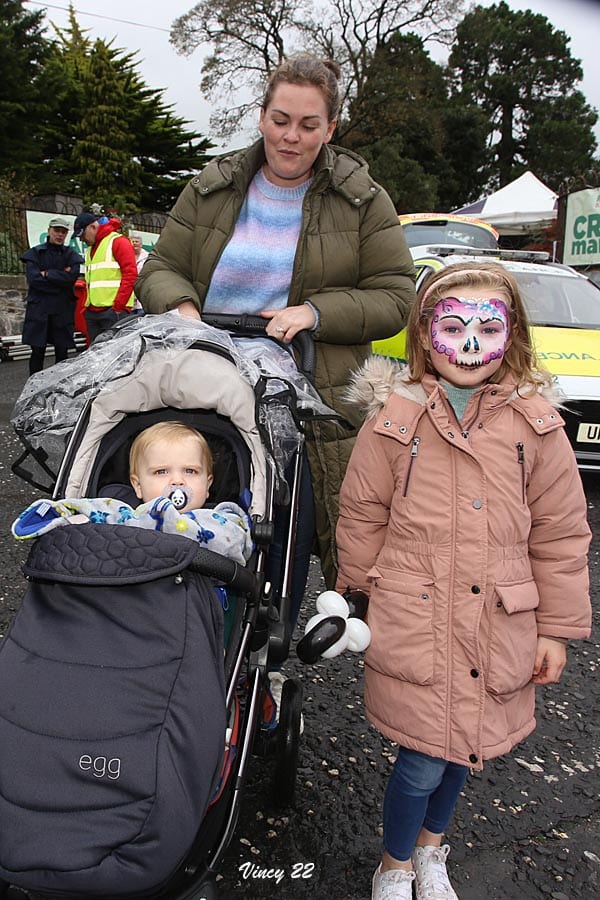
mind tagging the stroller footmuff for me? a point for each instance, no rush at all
(110, 752)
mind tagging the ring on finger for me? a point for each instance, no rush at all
(280, 330)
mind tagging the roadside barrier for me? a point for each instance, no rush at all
(11, 347)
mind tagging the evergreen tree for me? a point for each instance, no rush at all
(402, 83)
(560, 141)
(462, 164)
(167, 150)
(66, 74)
(410, 187)
(107, 136)
(23, 51)
(425, 149)
(103, 168)
(519, 70)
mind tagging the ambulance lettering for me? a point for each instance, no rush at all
(554, 354)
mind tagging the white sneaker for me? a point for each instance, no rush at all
(395, 884)
(431, 877)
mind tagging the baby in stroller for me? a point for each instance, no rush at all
(171, 471)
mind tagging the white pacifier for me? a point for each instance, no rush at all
(180, 495)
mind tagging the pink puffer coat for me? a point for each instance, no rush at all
(471, 540)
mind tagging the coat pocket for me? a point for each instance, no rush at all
(401, 621)
(513, 637)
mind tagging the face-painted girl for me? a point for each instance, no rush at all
(469, 336)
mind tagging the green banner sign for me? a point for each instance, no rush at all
(37, 231)
(582, 228)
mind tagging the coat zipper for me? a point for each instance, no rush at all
(413, 455)
(521, 460)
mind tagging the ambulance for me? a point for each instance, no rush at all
(447, 228)
(564, 312)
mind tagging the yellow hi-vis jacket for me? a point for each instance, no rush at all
(103, 274)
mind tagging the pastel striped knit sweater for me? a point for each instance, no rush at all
(255, 268)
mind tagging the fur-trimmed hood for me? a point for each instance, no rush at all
(372, 385)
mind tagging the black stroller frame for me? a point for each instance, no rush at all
(260, 631)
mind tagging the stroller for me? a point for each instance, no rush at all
(134, 675)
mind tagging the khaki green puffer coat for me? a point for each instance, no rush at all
(352, 263)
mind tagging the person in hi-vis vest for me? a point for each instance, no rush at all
(110, 271)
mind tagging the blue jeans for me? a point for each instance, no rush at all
(421, 793)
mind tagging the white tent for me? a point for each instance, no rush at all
(521, 207)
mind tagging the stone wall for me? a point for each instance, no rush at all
(13, 290)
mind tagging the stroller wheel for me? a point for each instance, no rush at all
(287, 744)
(209, 892)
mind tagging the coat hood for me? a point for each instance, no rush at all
(344, 170)
(113, 224)
(372, 385)
(380, 377)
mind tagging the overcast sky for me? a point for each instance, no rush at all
(143, 26)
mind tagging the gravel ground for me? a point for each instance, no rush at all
(527, 827)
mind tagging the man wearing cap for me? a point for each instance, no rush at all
(110, 271)
(51, 271)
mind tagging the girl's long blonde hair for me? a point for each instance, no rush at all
(519, 360)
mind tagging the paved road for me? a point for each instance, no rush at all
(525, 828)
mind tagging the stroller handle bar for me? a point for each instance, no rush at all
(244, 325)
(225, 570)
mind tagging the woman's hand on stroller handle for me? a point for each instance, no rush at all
(244, 325)
(189, 309)
(284, 324)
(281, 324)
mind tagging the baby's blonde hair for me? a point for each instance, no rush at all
(168, 431)
(520, 358)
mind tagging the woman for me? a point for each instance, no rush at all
(297, 231)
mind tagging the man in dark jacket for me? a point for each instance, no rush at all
(51, 271)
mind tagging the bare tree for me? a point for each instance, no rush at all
(352, 32)
(245, 39)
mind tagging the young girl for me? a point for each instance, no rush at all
(462, 514)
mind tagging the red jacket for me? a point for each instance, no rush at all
(124, 254)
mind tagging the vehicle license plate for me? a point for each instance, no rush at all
(588, 433)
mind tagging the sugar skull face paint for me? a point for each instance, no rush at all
(470, 332)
